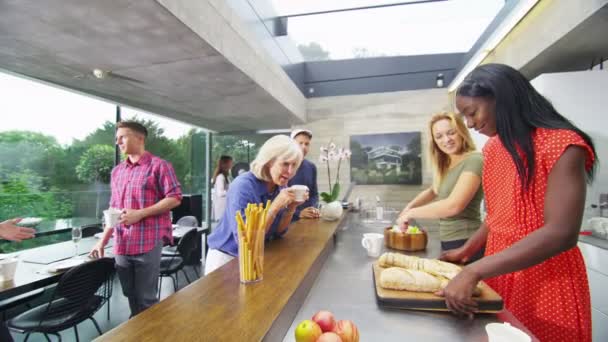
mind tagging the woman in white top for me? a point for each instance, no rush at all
(220, 185)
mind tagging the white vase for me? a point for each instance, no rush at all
(331, 211)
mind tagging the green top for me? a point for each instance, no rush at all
(466, 223)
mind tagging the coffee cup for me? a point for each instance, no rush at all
(300, 192)
(8, 267)
(111, 217)
(372, 242)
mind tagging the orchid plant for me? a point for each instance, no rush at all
(329, 154)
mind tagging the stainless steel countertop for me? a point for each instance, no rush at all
(345, 287)
(594, 241)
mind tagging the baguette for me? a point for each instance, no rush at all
(432, 266)
(442, 271)
(396, 278)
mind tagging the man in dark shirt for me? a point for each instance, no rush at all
(306, 175)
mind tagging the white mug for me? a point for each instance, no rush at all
(299, 191)
(8, 267)
(111, 217)
(372, 242)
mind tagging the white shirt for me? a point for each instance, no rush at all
(220, 189)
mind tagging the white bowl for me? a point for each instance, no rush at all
(504, 332)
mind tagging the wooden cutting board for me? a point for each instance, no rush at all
(489, 301)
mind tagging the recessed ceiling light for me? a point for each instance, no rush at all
(439, 80)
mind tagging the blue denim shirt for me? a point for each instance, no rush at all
(245, 189)
(306, 175)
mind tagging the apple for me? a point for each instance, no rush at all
(307, 331)
(325, 320)
(347, 330)
(329, 337)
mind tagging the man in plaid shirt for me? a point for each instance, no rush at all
(145, 188)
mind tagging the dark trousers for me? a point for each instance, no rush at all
(5, 335)
(447, 245)
(138, 276)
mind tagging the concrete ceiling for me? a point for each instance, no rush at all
(156, 63)
(575, 51)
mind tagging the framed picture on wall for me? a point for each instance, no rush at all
(388, 158)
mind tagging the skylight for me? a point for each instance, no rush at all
(404, 30)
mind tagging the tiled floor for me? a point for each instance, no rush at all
(119, 313)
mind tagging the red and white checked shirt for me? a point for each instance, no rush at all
(140, 185)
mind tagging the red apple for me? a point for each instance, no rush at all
(325, 320)
(347, 330)
(329, 337)
(307, 331)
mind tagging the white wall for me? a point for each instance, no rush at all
(582, 97)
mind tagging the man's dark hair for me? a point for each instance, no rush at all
(134, 126)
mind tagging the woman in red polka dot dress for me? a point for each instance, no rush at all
(536, 164)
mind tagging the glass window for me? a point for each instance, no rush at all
(404, 30)
(57, 152)
(183, 145)
(291, 7)
(58, 147)
(242, 148)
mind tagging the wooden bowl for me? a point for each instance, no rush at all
(405, 242)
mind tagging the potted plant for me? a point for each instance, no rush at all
(332, 210)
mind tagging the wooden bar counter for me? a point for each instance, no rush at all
(219, 308)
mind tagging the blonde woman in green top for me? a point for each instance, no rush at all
(456, 194)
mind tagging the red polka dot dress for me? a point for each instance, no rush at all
(552, 298)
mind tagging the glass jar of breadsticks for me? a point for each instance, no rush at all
(251, 234)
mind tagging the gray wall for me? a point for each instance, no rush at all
(337, 118)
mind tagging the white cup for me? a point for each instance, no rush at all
(372, 242)
(300, 192)
(8, 267)
(111, 217)
(504, 332)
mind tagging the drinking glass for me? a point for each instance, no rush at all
(251, 256)
(319, 206)
(390, 215)
(76, 237)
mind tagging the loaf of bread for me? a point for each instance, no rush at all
(432, 266)
(441, 271)
(397, 278)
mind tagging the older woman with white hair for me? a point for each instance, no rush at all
(276, 163)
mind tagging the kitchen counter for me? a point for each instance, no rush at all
(218, 307)
(317, 265)
(594, 241)
(345, 287)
